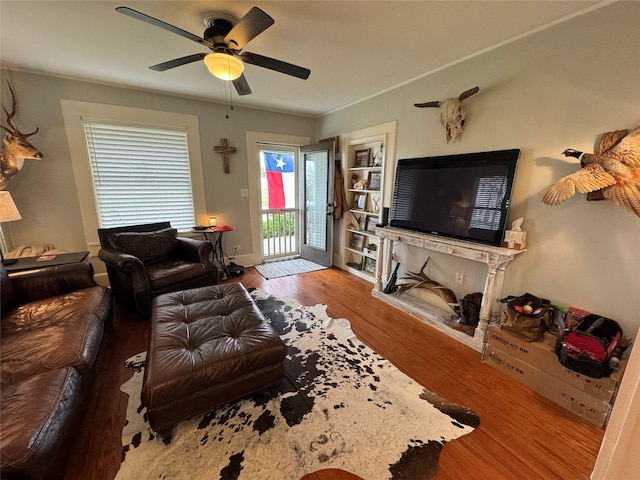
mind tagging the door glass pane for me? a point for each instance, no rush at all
(278, 177)
(316, 172)
(279, 203)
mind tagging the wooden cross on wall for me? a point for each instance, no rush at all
(225, 151)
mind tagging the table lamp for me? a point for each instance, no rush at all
(8, 213)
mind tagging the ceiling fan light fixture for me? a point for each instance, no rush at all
(224, 66)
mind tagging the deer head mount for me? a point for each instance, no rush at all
(452, 114)
(15, 146)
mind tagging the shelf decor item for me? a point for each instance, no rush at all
(375, 200)
(370, 265)
(359, 220)
(361, 184)
(371, 224)
(374, 180)
(378, 156)
(357, 241)
(359, 201)
(362, 158)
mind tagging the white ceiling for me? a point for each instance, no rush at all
(354, 49)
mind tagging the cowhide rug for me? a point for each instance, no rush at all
(340, 406)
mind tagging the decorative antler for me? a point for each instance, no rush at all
(14, 129)
(423, 281)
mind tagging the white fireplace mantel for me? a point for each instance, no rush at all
(495, 258)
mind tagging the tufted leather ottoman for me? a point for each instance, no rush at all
(208, 346)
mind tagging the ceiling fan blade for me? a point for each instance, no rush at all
(249, 27)
(177, 62)
(242, 87)
(277, 65)
(164, 25)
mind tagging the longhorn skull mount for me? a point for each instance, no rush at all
(15, 146)
(452, 114)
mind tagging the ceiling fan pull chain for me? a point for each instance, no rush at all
(227, 89)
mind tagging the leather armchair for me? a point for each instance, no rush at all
(144, 261)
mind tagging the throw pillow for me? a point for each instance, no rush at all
(149, 246)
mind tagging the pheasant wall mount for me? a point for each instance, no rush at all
(612, 173)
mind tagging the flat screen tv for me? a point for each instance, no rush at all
(459, 196)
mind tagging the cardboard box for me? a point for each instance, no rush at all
(515, 368)
(592, 409)
(541, 355)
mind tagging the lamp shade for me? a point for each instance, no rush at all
(224, 66)
(8, 210)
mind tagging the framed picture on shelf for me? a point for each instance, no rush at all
(374, 180)
(359, 201)
(362, 158)
(370, 265)
(370, 225)
(357, 241)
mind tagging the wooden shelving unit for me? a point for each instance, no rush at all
(364, 178)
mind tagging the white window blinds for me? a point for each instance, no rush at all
(140, 174)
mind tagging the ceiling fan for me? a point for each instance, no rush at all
(226, 41)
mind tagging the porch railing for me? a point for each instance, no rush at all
(279, 237)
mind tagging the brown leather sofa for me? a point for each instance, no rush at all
(144, 261)
(51, 333)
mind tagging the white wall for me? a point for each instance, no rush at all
(559, 88)
(45, 191)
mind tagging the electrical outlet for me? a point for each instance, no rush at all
(236, 248)
(244, 192)
(459, 278)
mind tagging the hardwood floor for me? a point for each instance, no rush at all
(521, 434)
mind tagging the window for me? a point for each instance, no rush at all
(140, 173)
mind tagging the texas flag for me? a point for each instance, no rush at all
(281, 179)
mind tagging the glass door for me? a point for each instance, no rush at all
(316, 203)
